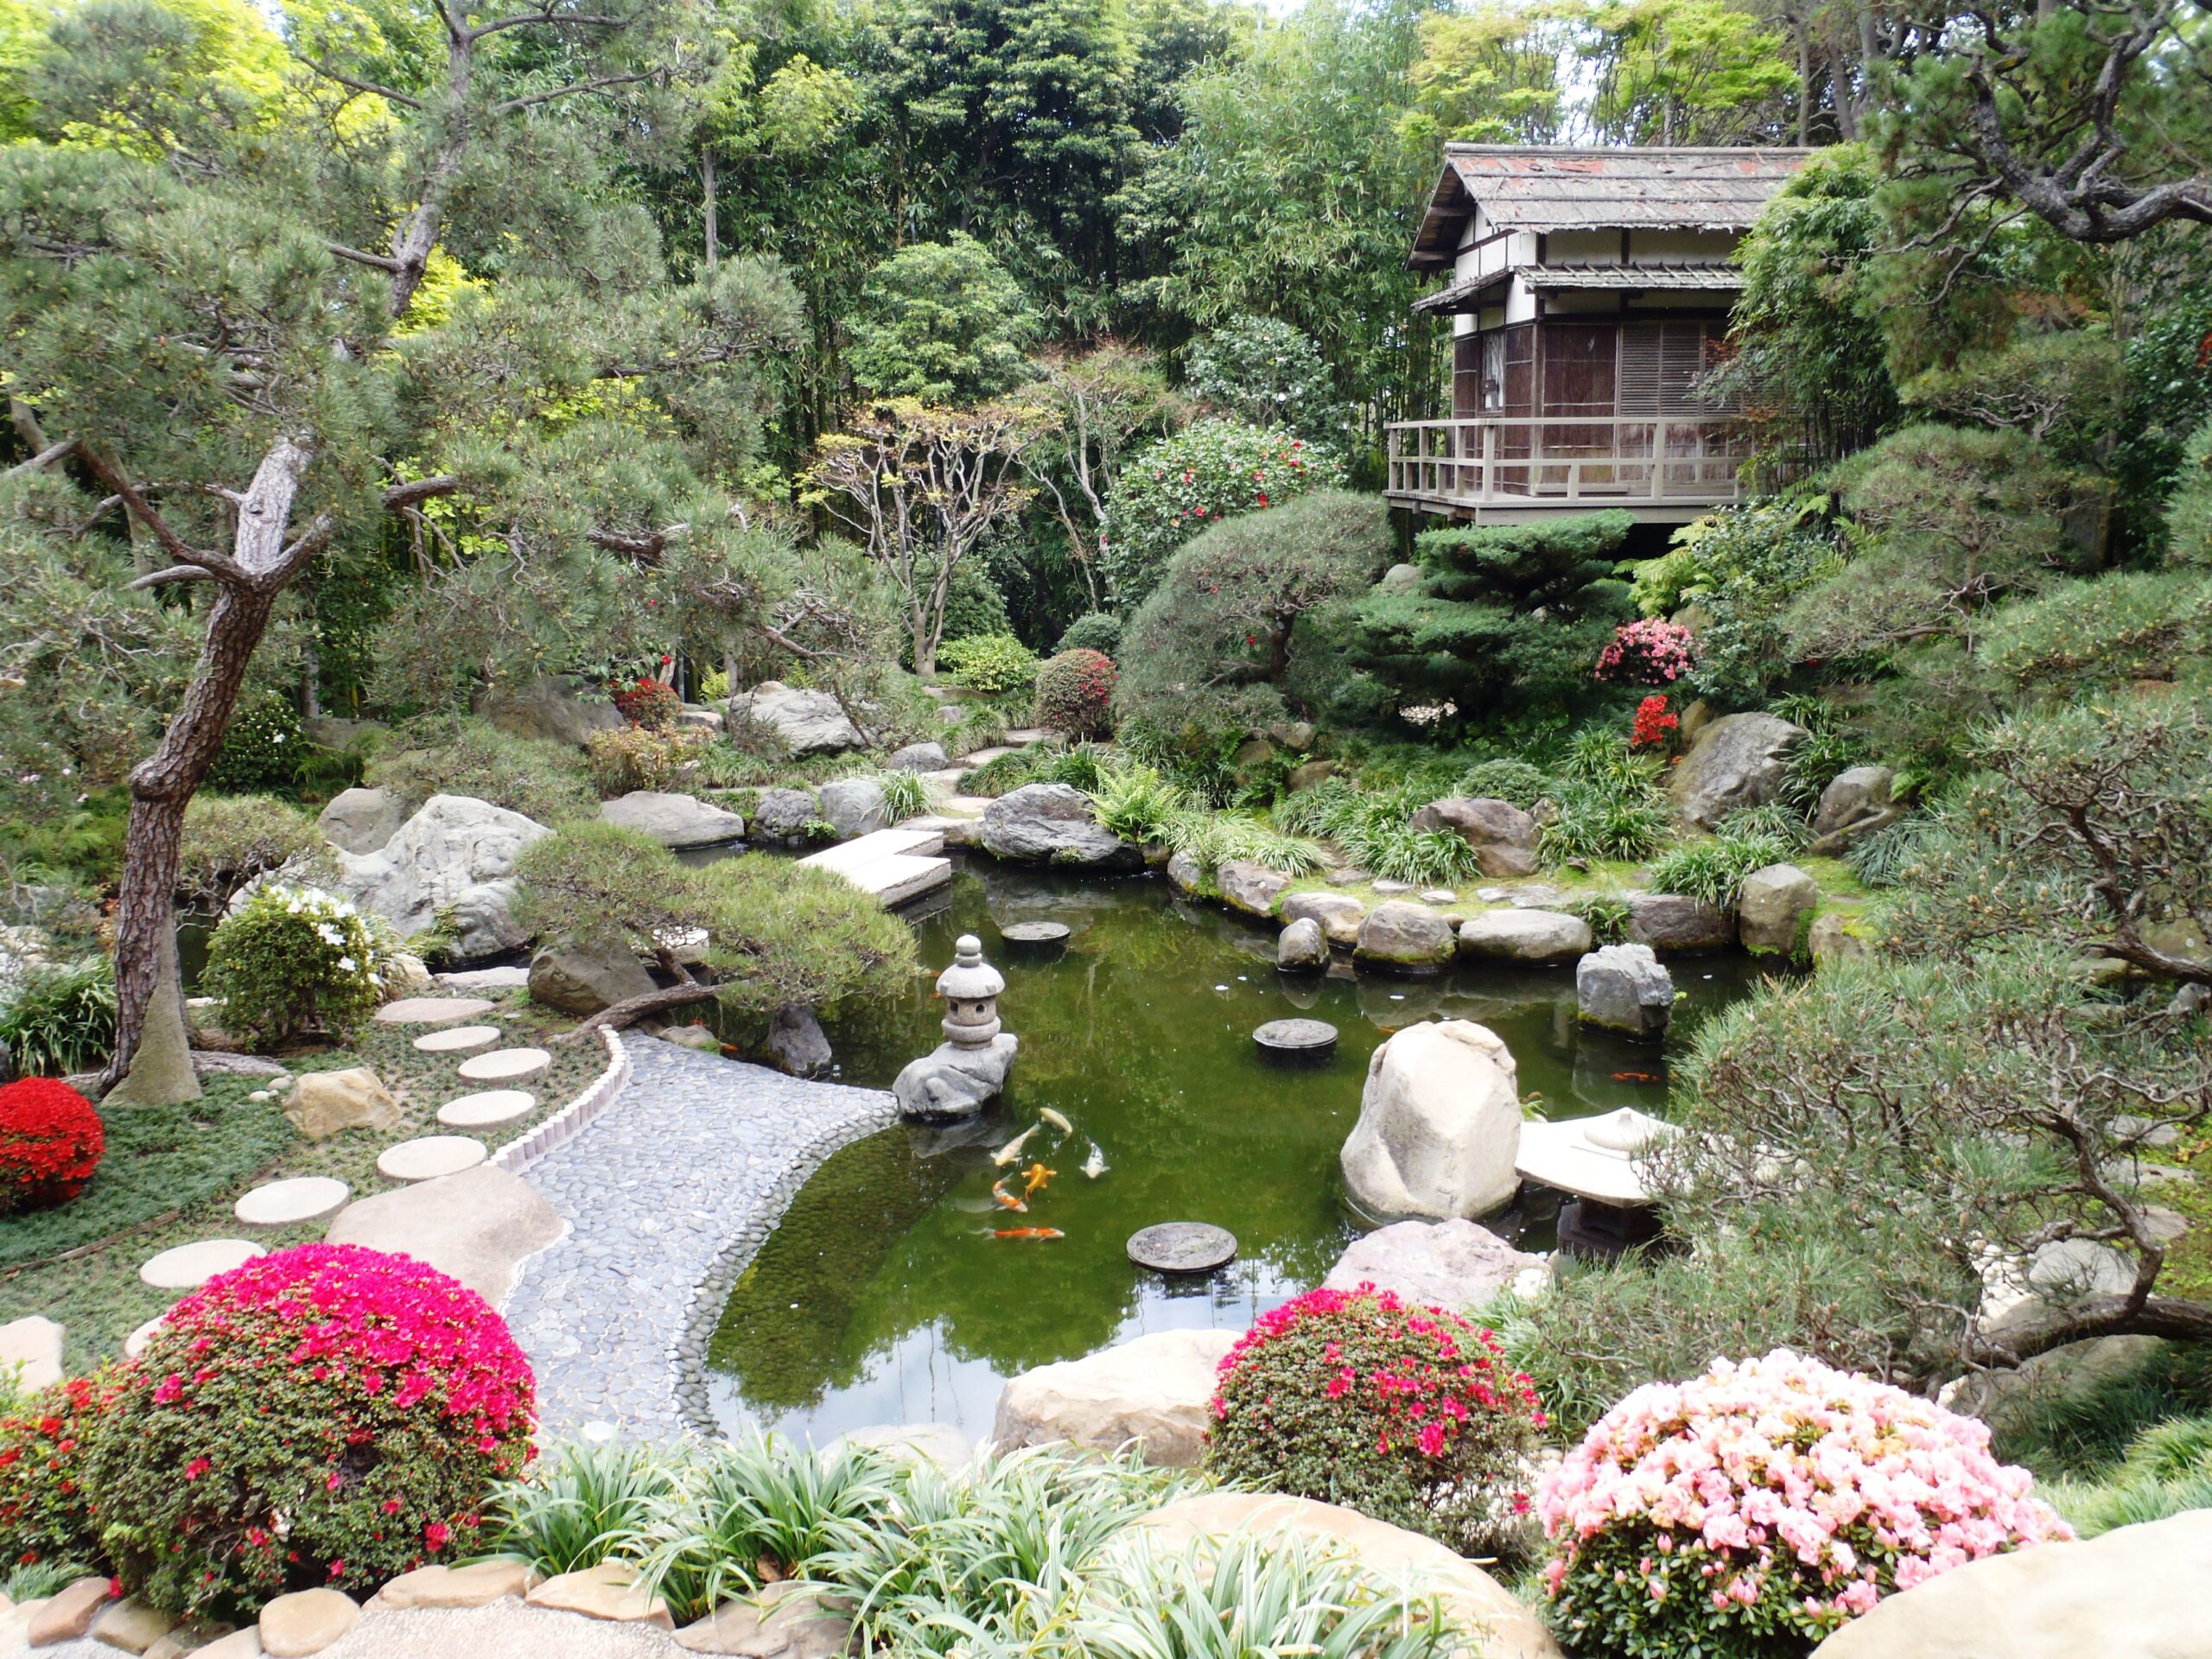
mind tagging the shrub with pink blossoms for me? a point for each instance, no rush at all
(1649, 652)
(1407, 1413)
(326, 1415)
(1754, 1509)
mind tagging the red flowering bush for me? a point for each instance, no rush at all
(1649, 652)
(646, 702)
(1655, 724)
(1074, 693)
(1402, 1413)
(50, 1144)
(325, 1415)
(45, 1514)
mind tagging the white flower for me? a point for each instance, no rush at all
(347, 965)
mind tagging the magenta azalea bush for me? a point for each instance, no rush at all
(1754, 1509)
(326, 1415)
(1649, 652)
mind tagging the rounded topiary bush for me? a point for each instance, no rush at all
(646, 702)
(1074, 693)
(1754, 1509)
(325, 1415)
(1098, 631)
(50, 1143)
(293, 960)
(1406, 1414)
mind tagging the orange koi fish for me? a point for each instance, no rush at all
(1029, 1232)
(1035, 1178)
(1006, 1198)
(1634, 1077)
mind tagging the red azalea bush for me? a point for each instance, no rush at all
(326, 1415)
(1655, 724)
(50, 1144)
(1074, 693)
(1649, 652)
(45, 1514)
(1403, 1413)
(646, 702)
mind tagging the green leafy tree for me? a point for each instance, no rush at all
(1488, 74)
(1266, 372)
(1109, 398)
(942, 323)
(1684, 72)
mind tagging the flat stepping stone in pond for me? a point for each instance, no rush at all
(458, 1039)
(505, 1065)
(434, 1010)
(293, 1203)
(1035, 933)
(1183, 1247)
(491, 1107)
(190, 1265)
(430, 1156)
(1297, 1038)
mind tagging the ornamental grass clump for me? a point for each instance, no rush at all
(1407, 1413)
(293, 960)
(1748, 1513)
(50, 1143)
(326, 1415)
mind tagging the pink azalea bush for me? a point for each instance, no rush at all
(1404, 1412)
(1649, 652)
(1754, 1509)
(325, 1415)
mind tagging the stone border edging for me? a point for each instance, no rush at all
(520, 1153)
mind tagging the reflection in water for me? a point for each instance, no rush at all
(886, 1295)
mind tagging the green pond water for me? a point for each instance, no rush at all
(884, 1296)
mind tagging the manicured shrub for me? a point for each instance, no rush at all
(646, 702)
(326, 1415)
(295, 960)
(538, 777)
(45, 1516)
(1407, 1413)
(992, 663)
(50, 1143)
(1074, 693)
(1098, 631)
(626, 758)
(1754, 1509)
(59, 1017)
(230, 839)
(1505, 780)
(1647, 652)
(1264, 371)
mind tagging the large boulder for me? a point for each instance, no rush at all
(1738, 760)
(550, 710)
(1440, 1124)
(324, 1103)
(1187, 873)
(1250, 888)
(1492, 1621)
(1524, 936)
(455, 858)
(1678, 924)
(1405, 938)
(1154, 1390)
(797, 1043)
(1831, 941)
(477, 1226)
(804, 723)
(673, 820)
(1856, 802)
(1051, 823)
(1772, 908)
(1503, 835)
(1340, 915)
(362, 820)
(783, 814)
(2137, 1593)
(854, 806)
(1452, 1263)
(1622, 987)
(581, 979)
(1302, 945)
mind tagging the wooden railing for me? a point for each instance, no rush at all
(1569, 459)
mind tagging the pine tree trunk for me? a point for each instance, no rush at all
(707, 202)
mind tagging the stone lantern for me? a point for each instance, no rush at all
(971, 989)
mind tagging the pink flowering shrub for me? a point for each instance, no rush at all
(1406, 1414)
(1754, 1509)
(1649, 652)
(325, 1415)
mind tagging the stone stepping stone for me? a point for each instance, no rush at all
(1183, 1247)
(458, 1039)
(134, 1344)
(430, 1156)
(290, 1203)
(434, 1010)
(505, 1065)
(1036, 935)
(190, 1265)
(1296, 1038)
(482, 1111)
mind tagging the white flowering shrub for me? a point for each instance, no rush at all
(294, 962)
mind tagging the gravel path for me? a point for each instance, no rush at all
(667, 1195)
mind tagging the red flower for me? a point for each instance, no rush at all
(50, 1143)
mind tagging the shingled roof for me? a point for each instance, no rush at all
(1546, 187)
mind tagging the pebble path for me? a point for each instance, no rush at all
(667, 1195)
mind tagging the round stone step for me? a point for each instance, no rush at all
(505, 1065)
(493, 1106)
(458, 1039)
(430, 1156)
(290, 1203)
(1035, 933)
(434, 1010)
(1183, 1247)
(190, 1265)
(134, 1344)
(1297, 1039)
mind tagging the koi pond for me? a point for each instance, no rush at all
(887, 1293)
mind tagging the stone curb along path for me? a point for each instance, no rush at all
(667, 1196)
